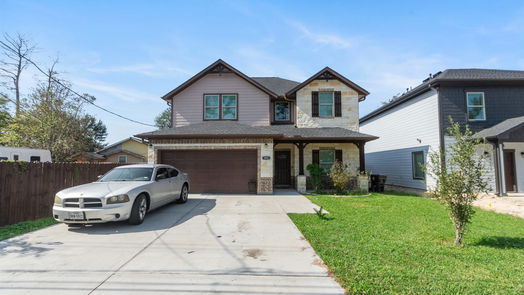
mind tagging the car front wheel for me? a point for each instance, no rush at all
(184, 193)
(139, 210)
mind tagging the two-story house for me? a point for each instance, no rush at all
(490, 102)
(235, 134)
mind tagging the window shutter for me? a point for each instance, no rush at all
(314, 103)
(338, 155)
(338, 104)
(316, 157)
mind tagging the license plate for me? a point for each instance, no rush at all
(76, 215)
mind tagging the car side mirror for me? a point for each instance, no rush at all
(99, 176)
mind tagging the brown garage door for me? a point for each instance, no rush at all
(215, 171)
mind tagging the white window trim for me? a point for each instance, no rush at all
(483, 105)
(288, 111)
(125, 156)
(325, 104)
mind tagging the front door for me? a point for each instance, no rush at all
(509, 171)
(282, 168)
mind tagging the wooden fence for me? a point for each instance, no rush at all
(27, 190)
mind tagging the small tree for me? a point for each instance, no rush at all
(340, 176)
(315, 174)
(459, 172)
(163, 120)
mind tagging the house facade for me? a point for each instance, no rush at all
(237, 134)
(490, 102)
(127, 151)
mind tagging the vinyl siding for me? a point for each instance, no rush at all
(253, 104)
(409, 127)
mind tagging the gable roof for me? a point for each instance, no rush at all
(278, 85)
(328, 73)
(501, 128)
(454, 77)
(218, 66)
(119, 142)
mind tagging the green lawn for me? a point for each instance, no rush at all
(399, 244)
(12, 230)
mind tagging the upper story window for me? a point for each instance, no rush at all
(475, 105)
(220, 107)
(282, 111)
(326, 104)
(34, 159)
(122, 159)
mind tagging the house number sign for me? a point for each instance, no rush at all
(266, 157)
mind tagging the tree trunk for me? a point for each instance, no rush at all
(459, 234)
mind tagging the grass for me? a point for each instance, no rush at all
(23, 227)
(399, 244)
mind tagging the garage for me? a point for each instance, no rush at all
(215, 171)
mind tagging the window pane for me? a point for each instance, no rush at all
(229, 100)
(212, 113)
(229, 113)
(476, 113)
(325, 97)
(326, 156)
(281, 111)
(475, 99)
(325, 111)
(418, 165)
(326, 167)
(211, 100)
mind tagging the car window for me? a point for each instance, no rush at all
(173, 172)
(162, 173)
(128, 174)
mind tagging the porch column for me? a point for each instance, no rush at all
(362, 157)
(501, 167)
(301, 178)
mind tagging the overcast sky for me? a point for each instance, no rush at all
(129, 53)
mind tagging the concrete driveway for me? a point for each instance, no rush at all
(225, 244)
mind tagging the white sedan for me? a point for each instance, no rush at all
(124, 193)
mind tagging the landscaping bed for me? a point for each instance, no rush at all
(400, 244)
(9, 231)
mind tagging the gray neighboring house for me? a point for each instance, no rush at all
(490, 102)
(238, 134)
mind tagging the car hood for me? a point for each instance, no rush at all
(100, 189)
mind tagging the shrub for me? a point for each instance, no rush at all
(340, 176)
(315, 173)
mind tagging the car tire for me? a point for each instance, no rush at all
(184, 194)
(138, 211)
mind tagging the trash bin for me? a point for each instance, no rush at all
(378, 182)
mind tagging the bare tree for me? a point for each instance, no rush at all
(15, 50)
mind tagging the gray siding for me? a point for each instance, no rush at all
(406, 128)
(253, 104)
(501, 103)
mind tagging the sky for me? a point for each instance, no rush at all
(130, 53)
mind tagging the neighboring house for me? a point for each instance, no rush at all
(129, 150)
(490, 102)
(8, 153)
(236, 134)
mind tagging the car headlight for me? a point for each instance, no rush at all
(118, 199)
(58, 201)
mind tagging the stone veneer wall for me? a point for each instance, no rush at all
(350, 112)
(264, 147)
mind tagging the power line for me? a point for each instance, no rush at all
(76, 93)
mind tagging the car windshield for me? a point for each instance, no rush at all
(128, 174)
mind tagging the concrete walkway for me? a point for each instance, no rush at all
(513, 205)
(227, 244)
